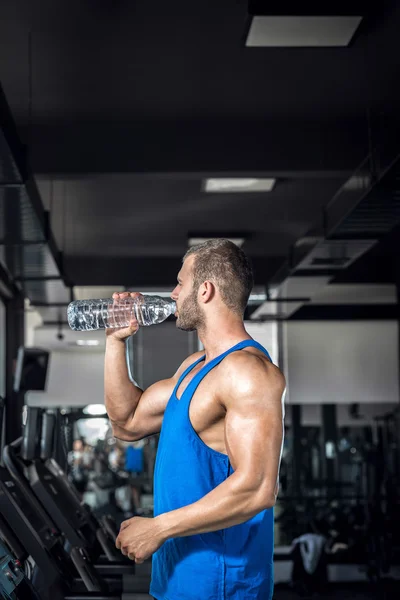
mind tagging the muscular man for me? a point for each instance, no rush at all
(220, 417)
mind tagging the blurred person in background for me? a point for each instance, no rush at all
(76, 464)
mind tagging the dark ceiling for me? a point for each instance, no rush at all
(123, 60)
(126, 106)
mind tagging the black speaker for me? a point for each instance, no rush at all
(31, 433)
(31, 370)
(47, 438)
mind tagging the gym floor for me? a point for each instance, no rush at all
(387, 589)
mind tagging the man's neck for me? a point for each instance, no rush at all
(219, 337)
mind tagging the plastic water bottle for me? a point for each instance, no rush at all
(87, 315)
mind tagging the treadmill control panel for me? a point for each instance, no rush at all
(8, 489)
(11, 573)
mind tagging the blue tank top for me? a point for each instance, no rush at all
(234, 563)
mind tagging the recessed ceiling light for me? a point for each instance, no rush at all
(195, 241)
(87, 342)
(298, 32)
(239, 184)
(162, 294)
(95, 409)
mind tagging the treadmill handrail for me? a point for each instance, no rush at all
(110, 527)
(108, 548)
(86, 570)
(10, 462)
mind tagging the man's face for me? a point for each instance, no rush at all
(189, 314)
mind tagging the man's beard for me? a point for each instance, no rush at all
(190, 317)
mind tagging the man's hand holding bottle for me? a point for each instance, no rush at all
(122, 333)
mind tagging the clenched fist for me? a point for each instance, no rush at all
(139, 538)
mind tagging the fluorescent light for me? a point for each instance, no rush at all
(94, 291)
(257, 298)
(87, 342)
(357, 182)
(238, 184)
(163, 294)
(305, 31)
(95, 409)
(200, 240)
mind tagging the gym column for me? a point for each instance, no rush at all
(329, 446)
(14, 339)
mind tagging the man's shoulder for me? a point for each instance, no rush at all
(250, 366)
(188, 362)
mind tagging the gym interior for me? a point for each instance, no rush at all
(130, 132)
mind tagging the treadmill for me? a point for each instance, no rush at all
(87, 521)
(37, 535)
(18, 579)
(101, 575)
(30, 458)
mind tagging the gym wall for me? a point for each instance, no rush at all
(341, 362)
(265, 334)
(311, 414)
(76, 374)
(155, 353)
(73, 379)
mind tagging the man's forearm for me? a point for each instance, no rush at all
(121, 395)
(230, 503)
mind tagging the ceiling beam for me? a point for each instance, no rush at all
(143, 272)
(308, 7)
(343, 312)
(284, 149)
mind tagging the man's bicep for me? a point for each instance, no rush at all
(254, 429)
(148, 416)
(155, 398)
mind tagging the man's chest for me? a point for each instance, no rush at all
(206, 414)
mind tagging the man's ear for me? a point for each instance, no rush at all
(206, 292)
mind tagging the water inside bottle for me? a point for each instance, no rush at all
(87, 315)
(152, 313)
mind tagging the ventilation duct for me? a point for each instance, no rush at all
(28, 253)
(364, 210)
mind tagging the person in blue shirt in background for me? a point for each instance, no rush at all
(134, 462)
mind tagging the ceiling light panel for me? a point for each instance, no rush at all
(302, 31)
(239, 184)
